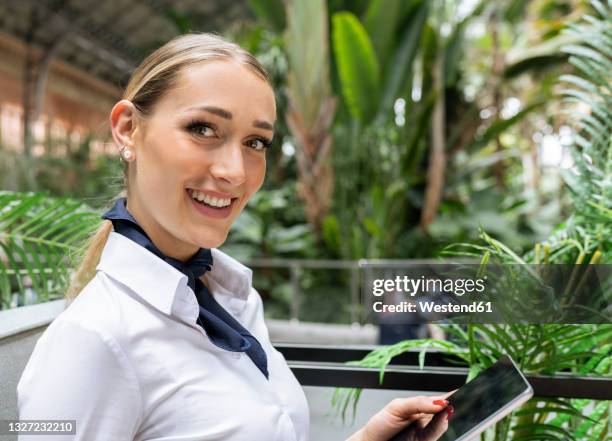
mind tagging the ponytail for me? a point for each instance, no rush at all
(89, 256)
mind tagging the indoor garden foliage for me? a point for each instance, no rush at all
(584, 238)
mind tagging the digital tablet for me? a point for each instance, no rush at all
(479, 404)
(486, 399)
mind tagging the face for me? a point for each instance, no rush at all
(199, 157)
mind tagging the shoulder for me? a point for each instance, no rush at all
(80, 371)
(98, 307)
(86, 335)
(91, 322)
(73, 354)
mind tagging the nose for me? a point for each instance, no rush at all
(228, 164)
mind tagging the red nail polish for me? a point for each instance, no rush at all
(440, 402)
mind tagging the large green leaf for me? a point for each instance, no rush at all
(399, 72)
(381, 20)
(358, 67)
(308, 53)
(39, 235)
(453, 53)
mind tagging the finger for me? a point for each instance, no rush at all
(424, 420)
(404, 407)
(408, 434)
(414, 417)
(436, 428)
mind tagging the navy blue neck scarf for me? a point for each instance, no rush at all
(221, 327)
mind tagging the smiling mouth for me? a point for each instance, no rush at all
(210, 201)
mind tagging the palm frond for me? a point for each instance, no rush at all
(39, 238)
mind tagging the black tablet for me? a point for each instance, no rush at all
(478, 404)
(486, 399)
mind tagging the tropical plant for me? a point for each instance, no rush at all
(402, 122)
(272, 225)
(377, 159)
(381, 66)
(585, 238)
(40, 237)
(311, 104)
(546, 349)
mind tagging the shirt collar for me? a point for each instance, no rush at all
(160, 284)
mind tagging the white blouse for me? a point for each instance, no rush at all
(127, 360)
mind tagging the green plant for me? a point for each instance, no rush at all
(404, 109)
(546, 349)
(585, 238)
(381, 63)
(39, 238)
(311, 106)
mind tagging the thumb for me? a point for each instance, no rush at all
(403, 408)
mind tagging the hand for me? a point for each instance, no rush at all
(422, 418)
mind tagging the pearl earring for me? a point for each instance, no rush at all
(125, 153)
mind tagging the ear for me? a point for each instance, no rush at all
(123, 123)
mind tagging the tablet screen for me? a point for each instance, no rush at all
(484, 396)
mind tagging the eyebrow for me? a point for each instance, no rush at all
(228, 115)
(263, 125)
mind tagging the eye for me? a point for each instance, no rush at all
(201, 128)
(259, 143)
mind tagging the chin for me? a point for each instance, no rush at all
(212, 240)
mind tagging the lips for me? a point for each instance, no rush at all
(211, 211)
(215, 199)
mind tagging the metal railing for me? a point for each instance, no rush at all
(323, 366)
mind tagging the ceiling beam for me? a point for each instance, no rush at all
(113, 46)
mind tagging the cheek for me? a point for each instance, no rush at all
(167, 161)
(256, 173)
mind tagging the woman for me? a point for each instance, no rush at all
(166, 341)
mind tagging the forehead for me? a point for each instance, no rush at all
(226, 84)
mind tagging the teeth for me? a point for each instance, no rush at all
(215, 202)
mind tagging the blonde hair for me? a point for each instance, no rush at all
(154, 77)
